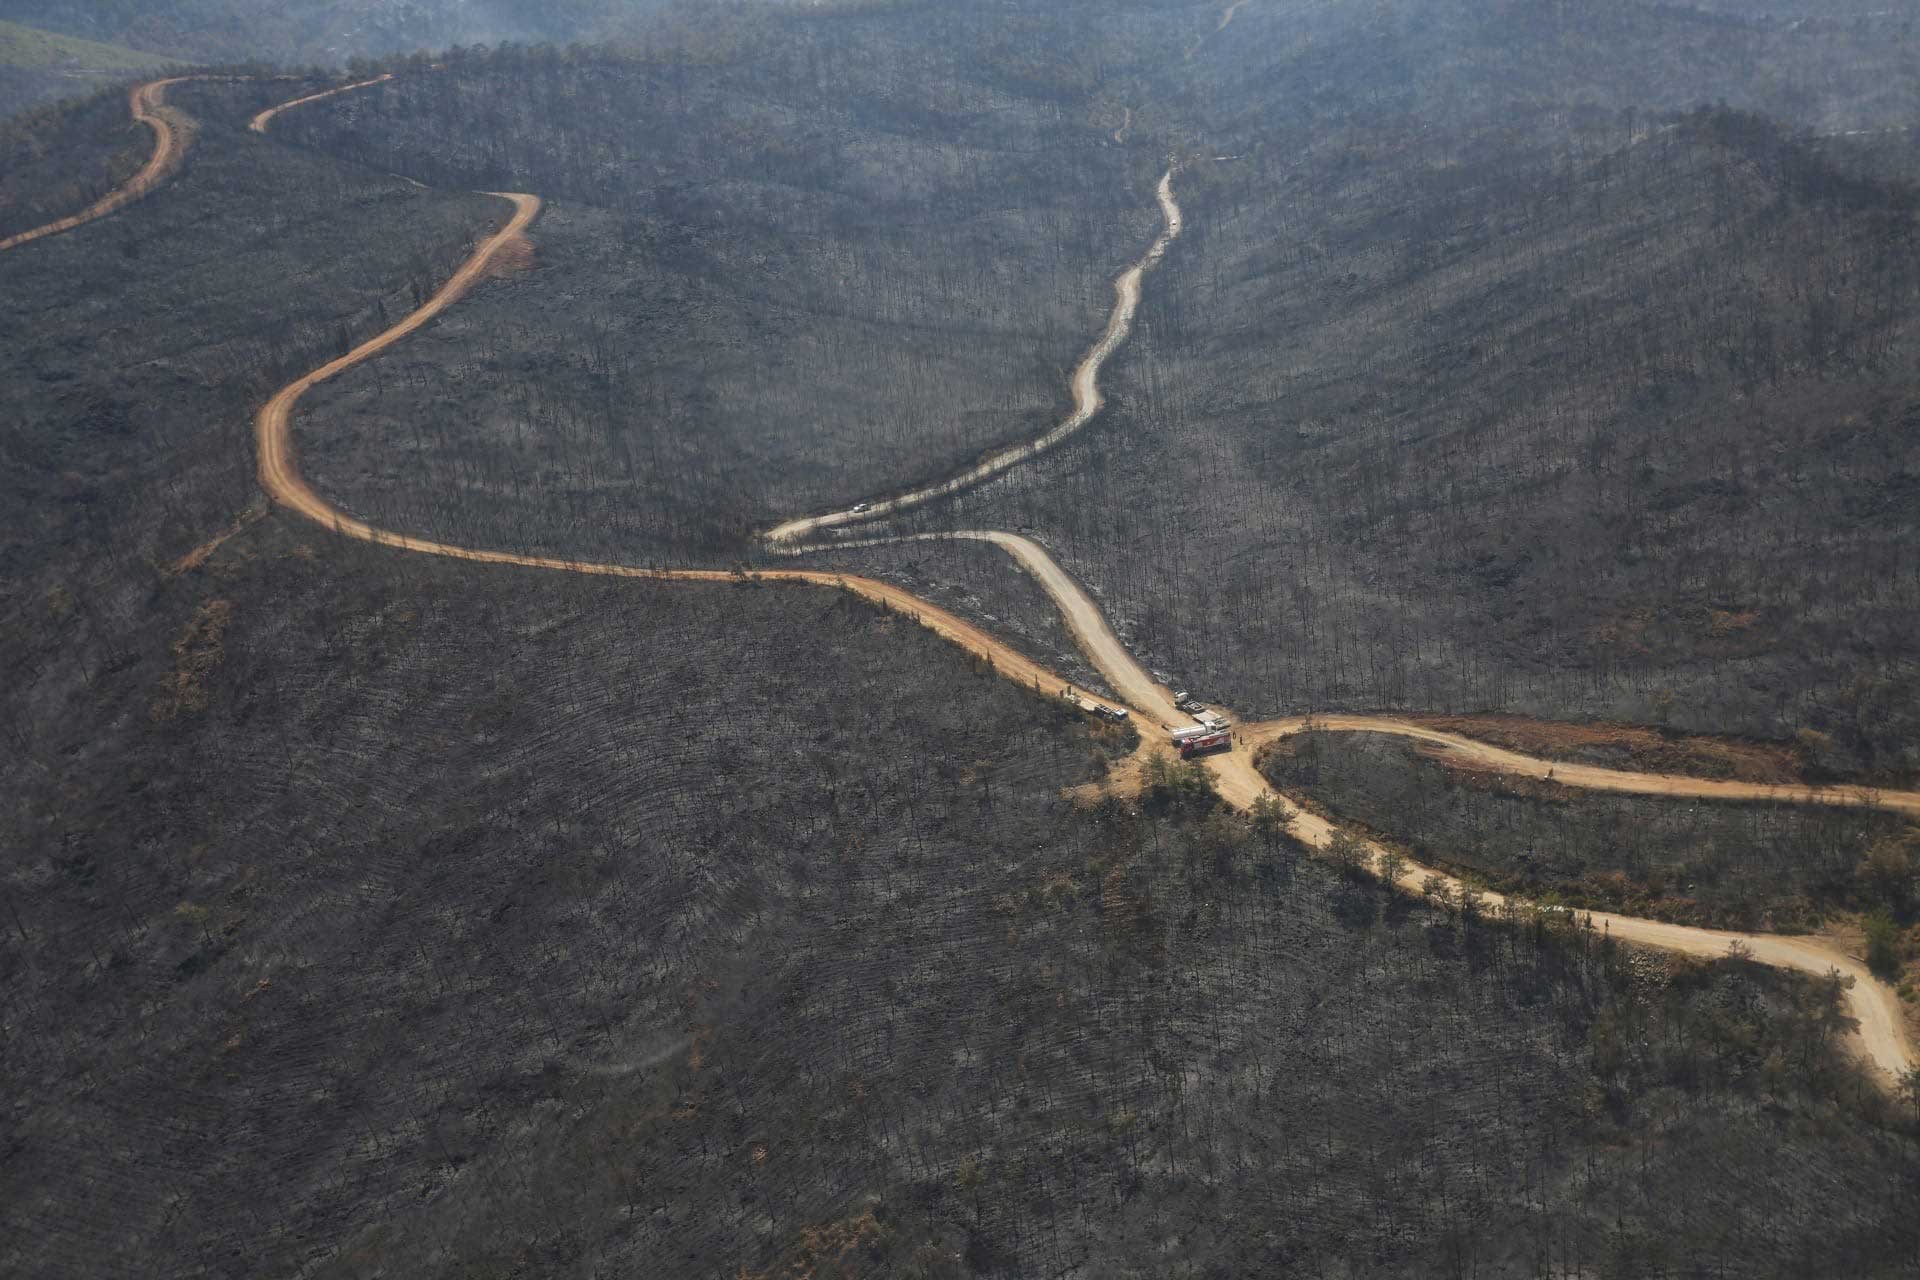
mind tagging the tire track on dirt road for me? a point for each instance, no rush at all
(1875, 1008)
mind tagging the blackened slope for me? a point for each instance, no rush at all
(472, 829)
(1620, 433)
(830, 264)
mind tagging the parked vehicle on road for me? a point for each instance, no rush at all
(1216, 740)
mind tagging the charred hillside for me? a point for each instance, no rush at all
(1721, 865)
(1622, 429)
(57, 159)
(1513, 318)
(135, 351)
(388, 914)
(772, 278)
(368, 912)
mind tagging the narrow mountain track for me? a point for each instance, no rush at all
(171, 135)
(1087, 400)
(1881, 1035)
(1144, 696)
(260, 122)
(1875, 1008)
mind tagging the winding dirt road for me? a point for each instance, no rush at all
(1881, 1037)
(1087, 399)
(260, 122)
(1882, 1034)
(1881, 1030)
(279, 473)
(171, 134)
(1088, 624)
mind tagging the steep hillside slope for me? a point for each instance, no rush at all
(59, 159)
(1523, 65)
(1721, 865)
(29, 48)
(1457, 283)
(1430, 421)
(327, 749)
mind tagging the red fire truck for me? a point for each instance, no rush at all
(1200, 744)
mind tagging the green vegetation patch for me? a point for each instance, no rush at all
(22, 46)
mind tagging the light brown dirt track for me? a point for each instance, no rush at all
(1469, 753)
(280, 475)
(260, 122)
(1881, 1038)
(171, 136)
(1085, 384)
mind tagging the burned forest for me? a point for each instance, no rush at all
(982, 638)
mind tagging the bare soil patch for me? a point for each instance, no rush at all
(514, 256)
